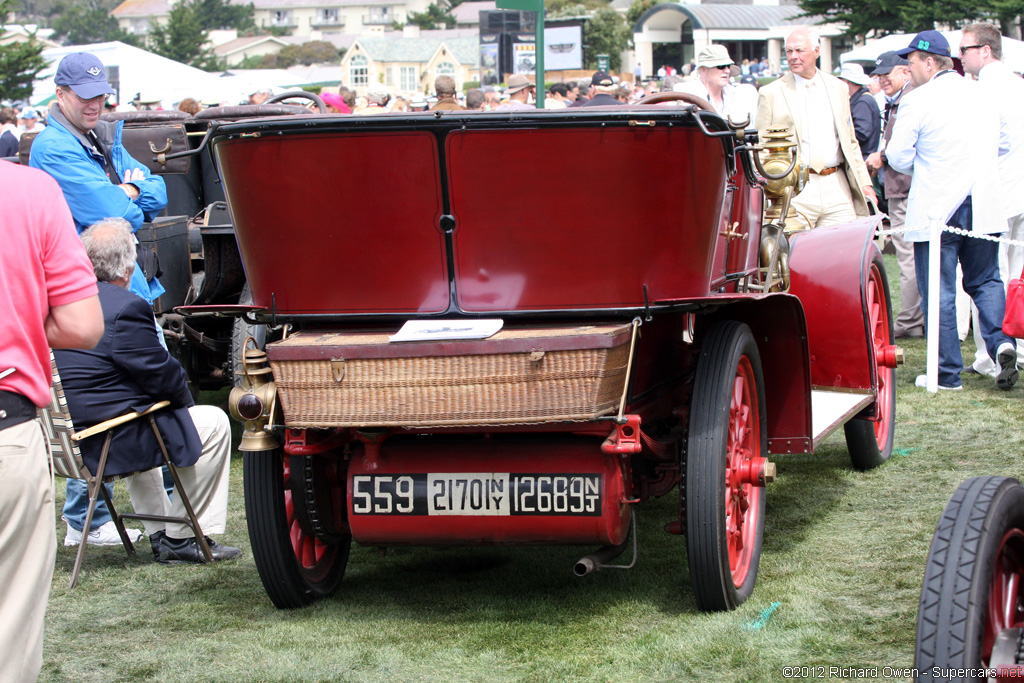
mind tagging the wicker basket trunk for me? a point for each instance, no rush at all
(517, 376)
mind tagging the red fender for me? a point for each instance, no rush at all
(828, 272)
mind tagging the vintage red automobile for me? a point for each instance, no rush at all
(655, 336)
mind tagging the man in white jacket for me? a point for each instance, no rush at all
(981, 51)
(947, 136)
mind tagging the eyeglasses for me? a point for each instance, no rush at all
(724, 67)
(965, 48)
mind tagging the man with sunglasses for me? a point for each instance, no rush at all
(816, 107)
(715, 70)
(99, 180)
(981, 51)
(947, 137)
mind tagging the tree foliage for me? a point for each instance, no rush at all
(313, 52)
(908, 16)
(434, 17)
(221, 14)
(82, 24)
(605, 34)
(637, 9)
(555, 9)
(183, 38)
(20, 63)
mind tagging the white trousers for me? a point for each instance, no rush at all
(825, 200)
(28, 549)
(205, 483)
(1011, 260)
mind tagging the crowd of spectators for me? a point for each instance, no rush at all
(933, 163)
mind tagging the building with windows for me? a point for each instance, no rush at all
(672, 33)
(315, 18)
(408, 61)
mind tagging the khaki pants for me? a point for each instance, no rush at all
(825, 200)
(206, 482)
(28, 549)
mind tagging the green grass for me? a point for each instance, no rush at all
(843, 556)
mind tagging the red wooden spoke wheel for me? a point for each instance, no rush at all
(1004, 598)
(742, 502)
(725, 448)
(869, 440)
(296, 567)
(973, 578)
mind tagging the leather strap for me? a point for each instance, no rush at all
(826, 171)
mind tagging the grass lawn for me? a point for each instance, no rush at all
(840, 578)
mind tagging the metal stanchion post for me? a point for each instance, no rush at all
(934, 306)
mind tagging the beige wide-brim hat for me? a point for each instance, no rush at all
(517, 82)
(717, 55)
(854, 73)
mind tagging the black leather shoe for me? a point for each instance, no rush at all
(156, 539)
(220, 552)
(179, 551)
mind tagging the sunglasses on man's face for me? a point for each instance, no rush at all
(724, 67)
(965, 48)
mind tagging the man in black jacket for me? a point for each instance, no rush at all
(867, 119)
(130, 370)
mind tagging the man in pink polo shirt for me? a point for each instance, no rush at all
(47, 299)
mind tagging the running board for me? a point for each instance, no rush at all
(830, 409)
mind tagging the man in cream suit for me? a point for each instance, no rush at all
(816, 107)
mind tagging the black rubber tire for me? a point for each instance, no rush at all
(287, 583)
(240, 331)
(706, 522)
(958, 575)
(861, 439)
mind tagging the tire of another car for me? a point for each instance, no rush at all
(977, 548)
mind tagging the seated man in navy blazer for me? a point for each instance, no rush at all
(130, 370)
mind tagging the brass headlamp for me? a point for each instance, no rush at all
(254, 401)
(785, 175)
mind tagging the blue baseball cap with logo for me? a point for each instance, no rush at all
(927, 41)
(83, 73)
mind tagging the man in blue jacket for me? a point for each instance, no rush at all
(99, 180)
(86, 157)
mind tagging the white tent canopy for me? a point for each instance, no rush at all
(154, 76)
(1013, 50)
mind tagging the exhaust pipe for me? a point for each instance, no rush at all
(596, 560)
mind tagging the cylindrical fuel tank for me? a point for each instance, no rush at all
(433, 491)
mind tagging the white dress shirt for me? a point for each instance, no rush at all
(947, 136)
(1005, 91)
(819, 129)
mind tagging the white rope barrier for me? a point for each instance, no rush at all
(932, 323)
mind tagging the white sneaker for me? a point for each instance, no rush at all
(104, 535)
(922, 382)
(1006, 358)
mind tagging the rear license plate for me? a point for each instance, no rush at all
(493, 494)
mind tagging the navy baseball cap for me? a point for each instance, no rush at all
(83, 73)
(927, 41)
(601, 78)
(886, 61)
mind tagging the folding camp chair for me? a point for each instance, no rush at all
(66, 461)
